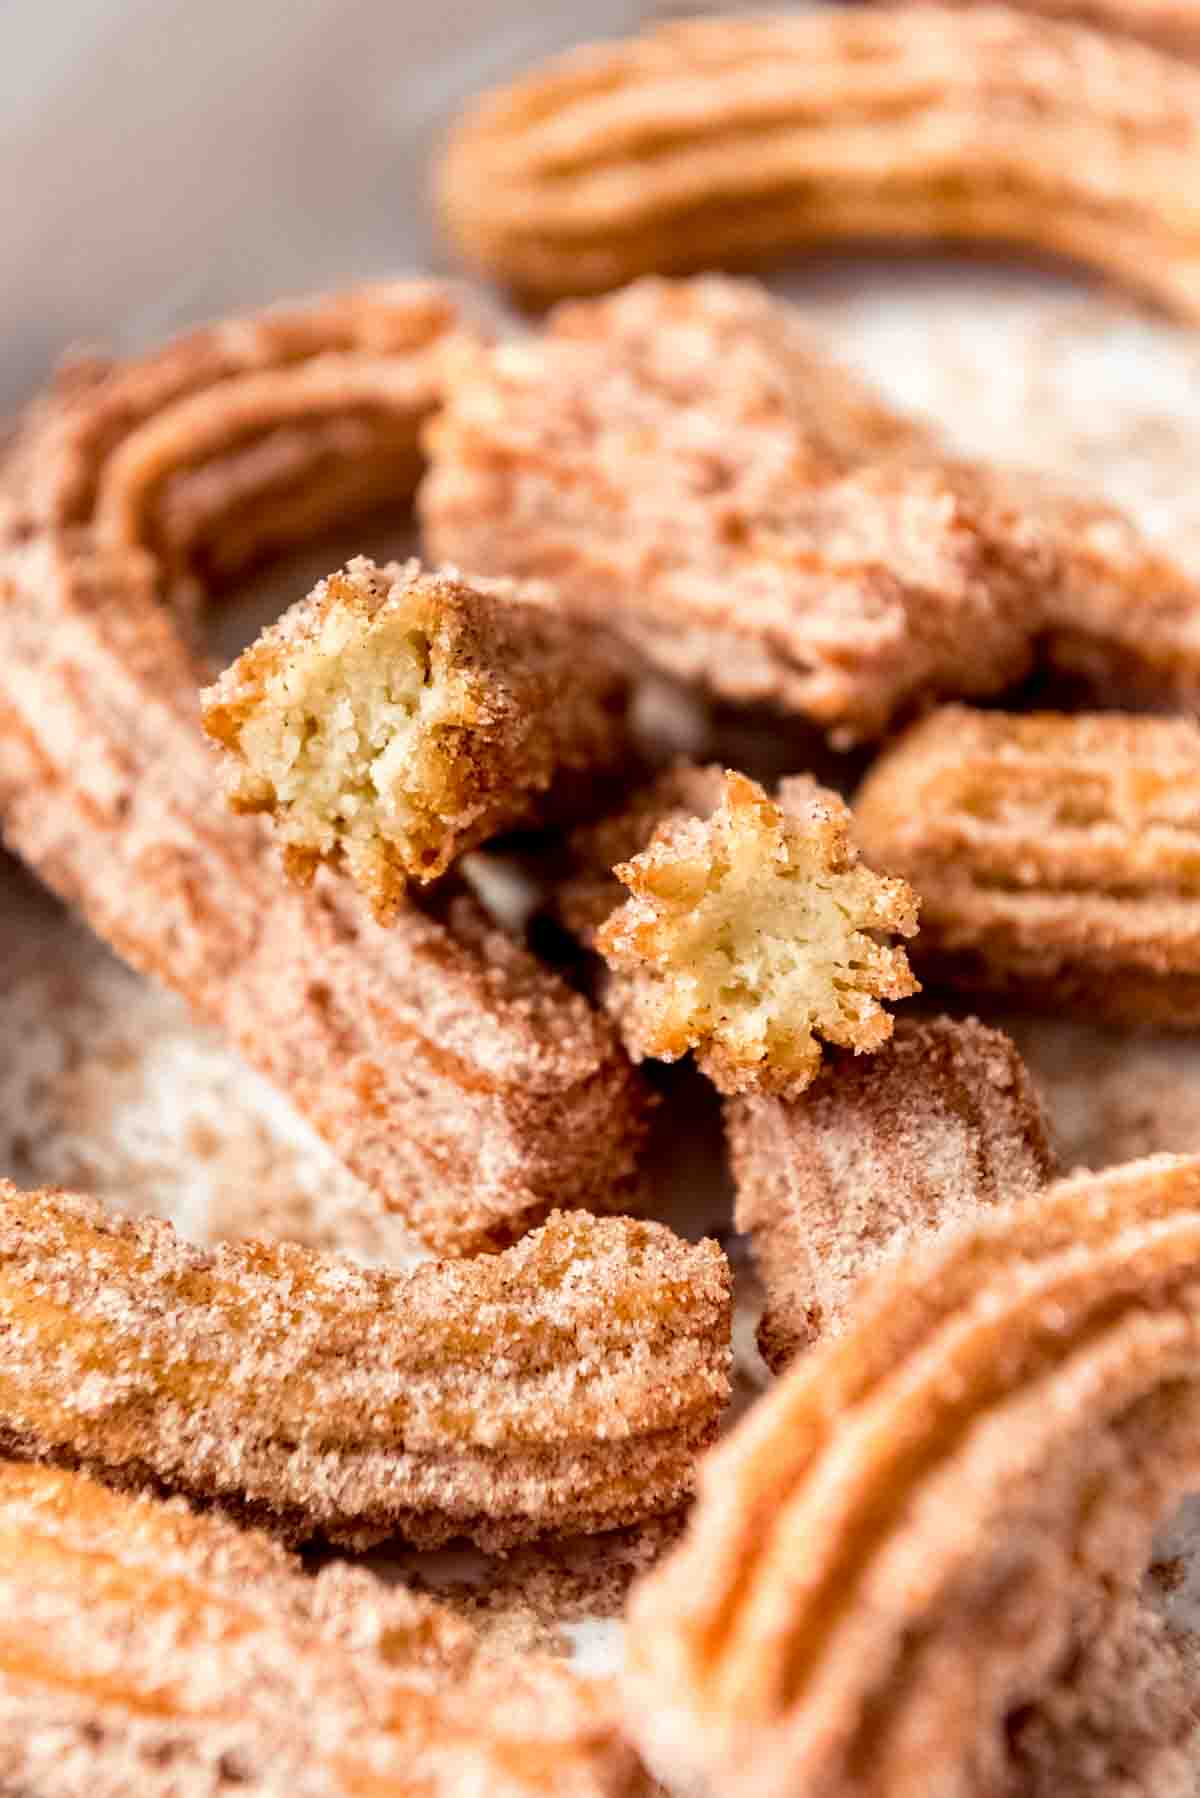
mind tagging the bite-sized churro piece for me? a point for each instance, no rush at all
(1057, 857)
(941, 1124)
(469, 1087)
(1171, 25)
(724, 141)
(665, 458)
(146, 1649)
(237, 440)
(567, 1384)
(395, 718)
(904, 1545)
(752, 934)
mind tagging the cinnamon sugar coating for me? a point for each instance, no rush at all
(724, 141)
(686, 464)
(146, 1649)
(237, 440)
(937, 1127)
(904, 1545)
(1058, 857)
(466, 1085)
(395, 718)
(565, 1385)
(751, 934)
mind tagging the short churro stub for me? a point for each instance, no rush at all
(1057, 856)
(395, 718)
(753, 935)
(942, 1124)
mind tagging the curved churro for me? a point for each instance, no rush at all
(907, 1539)
(238, 439)
(468, 1087)
(941, 1124)
(395, 718)
(1057, 857)
(687, 466)
(145, 1649)
(567, 1384)
(724, 141)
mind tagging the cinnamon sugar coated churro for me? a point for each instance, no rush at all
(565, 1385)
(666, 457)
(395, 718)
(940, 1125)
(906, 1542)
(466, 1085)
(716, 142)
(145, 1649)
(752, 934)
(241, 438)
(687, 465)
(1057, 856)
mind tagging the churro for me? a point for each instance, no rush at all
(395, 718)
(567, 1384)
(751, 934)
(1170, 25)
(904, 1545)
(725, 141)
(689, 467)
(146, 1649)
(1057, 856)
(940, 1125)
(466, 1085)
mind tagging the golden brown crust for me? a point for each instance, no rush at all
(908, 1539)
(719, 142)
(1170, 25)
(940, 1125)
(686, 464)
(145, 1649)
(468, 1087)
(565, 1385)
(752, 933)
(1056, 856)
(238, 439)
(396, 717)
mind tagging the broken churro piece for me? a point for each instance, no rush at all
(145, 1649)
(688, 468)
(940, 1125)
(395, 718)
(724, 141)
(905, 1544)
(1057, 857)
(752, 931)
(567, 1384)
(468, 1087)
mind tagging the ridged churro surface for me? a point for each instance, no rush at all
(723, 141)
(1057, 856)
(906, 1543)
(565, 1385)
(938, 1126)
(145, 1649)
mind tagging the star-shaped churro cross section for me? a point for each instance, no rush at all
(753, 934)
